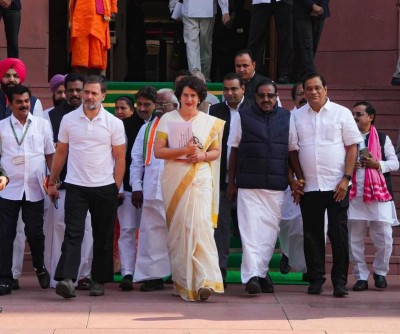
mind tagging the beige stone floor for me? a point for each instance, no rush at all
(32, 310)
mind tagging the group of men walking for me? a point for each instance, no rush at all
(332, 159)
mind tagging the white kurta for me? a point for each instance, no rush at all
(375, 211)
(378, 216)
(291, 233)
(152, 255)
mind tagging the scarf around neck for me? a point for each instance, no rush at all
(375, 189)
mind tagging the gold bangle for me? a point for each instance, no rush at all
(302, 181)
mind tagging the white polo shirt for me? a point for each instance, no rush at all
(321, 137)
(203, 8)
(90, 160)
(25, 164)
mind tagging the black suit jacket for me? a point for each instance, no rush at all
(221, 110)
(250, 87)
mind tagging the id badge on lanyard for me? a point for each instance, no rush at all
(20, 158)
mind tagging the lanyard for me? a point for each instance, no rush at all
(23, 135)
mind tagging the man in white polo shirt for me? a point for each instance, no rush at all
(94, 142)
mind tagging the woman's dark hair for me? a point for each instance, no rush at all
(193, 83)
(127, 99)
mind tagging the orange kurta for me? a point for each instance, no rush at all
(90, 34)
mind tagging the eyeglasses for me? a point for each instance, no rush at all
(358, 113)
(197, 141)
(145, 104)
(163, 105)
(264, 95)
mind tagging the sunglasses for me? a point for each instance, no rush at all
(197, 141)
(264, 95)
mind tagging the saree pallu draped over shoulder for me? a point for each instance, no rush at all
(191, 197)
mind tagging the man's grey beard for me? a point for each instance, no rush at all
(90, 106)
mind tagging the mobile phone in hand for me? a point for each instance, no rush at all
(364, 152)
(55, 202)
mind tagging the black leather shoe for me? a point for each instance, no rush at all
(65, 288)
(152, 285)
(43, 277)
(395, 81)
(360, 285)
(315, 287)
(284, 265)
(340, 291)
(97, 289)
(380, 281)
(15, 284)
(253, 286)
(266, 284)
(5, 289)
(126, 283)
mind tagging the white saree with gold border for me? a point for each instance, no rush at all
(191, 197)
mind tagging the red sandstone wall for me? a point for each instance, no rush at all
(360, 42)
(358, 47)
(33, 40)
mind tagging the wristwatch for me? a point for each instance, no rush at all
(348, 177)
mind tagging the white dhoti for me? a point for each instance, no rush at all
(129, 221)
(259, 213)
(291, 234)
(152, 258)
(54, 228)
(379, 217)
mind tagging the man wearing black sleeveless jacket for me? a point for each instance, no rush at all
(258, 174)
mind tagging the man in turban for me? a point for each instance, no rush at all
(12, 73)
(90, 33)
(57, 88)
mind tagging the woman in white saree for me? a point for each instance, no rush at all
(191, 195)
